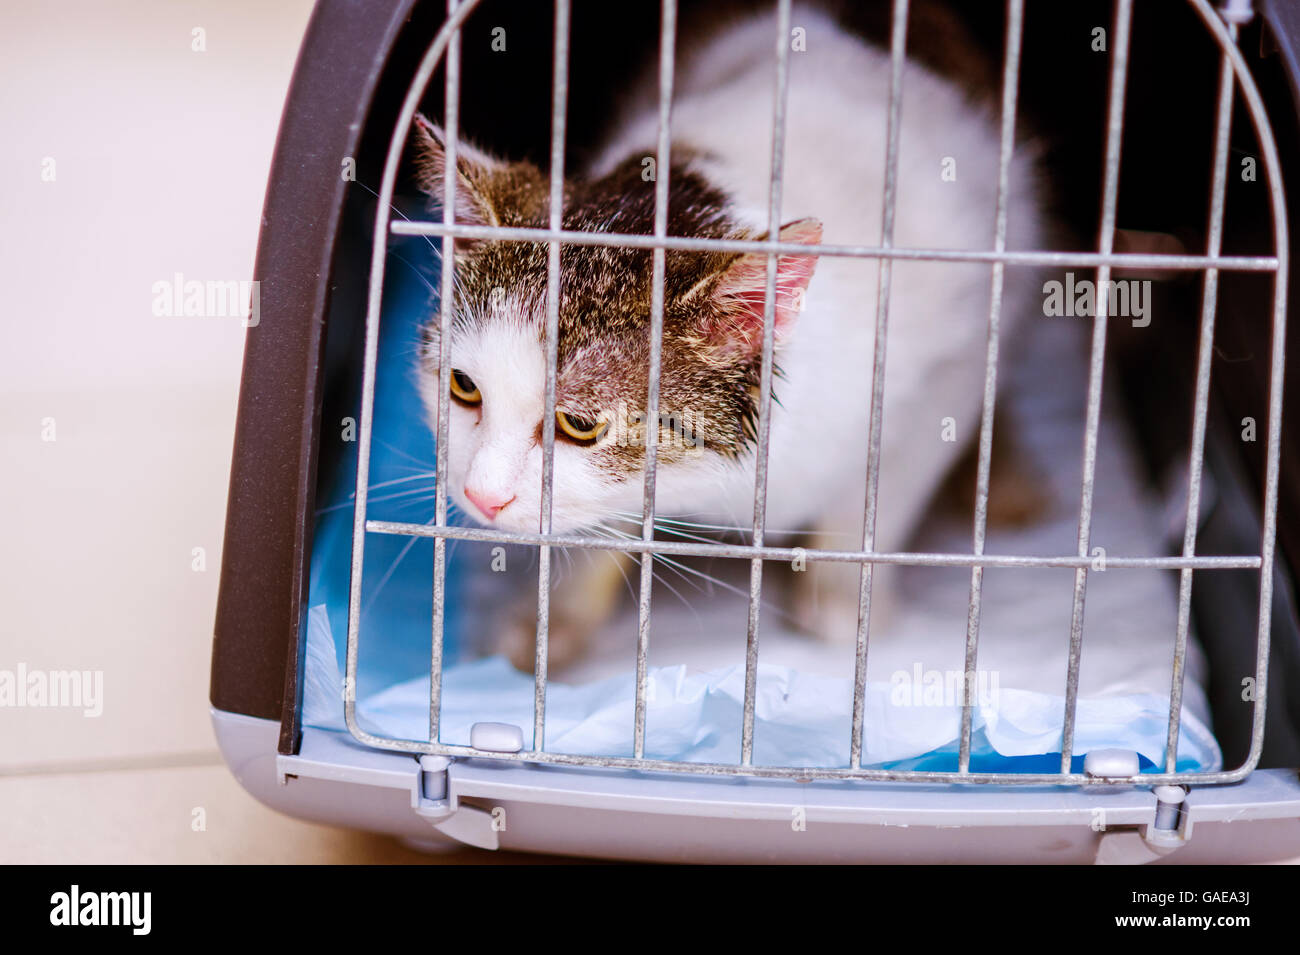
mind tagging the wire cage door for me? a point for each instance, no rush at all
(1234, 78)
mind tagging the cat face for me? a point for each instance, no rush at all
(713, 313)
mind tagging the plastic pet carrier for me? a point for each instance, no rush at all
(354, 679)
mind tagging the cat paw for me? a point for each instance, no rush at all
(826, 601)
(567, 640)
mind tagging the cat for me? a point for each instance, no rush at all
(825, 307)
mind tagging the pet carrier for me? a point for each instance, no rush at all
(322, 415)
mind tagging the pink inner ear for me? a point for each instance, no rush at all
(742, 291)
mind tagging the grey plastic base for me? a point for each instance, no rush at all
(660, 817)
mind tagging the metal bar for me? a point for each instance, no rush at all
(374, 304)
(447, 276)
(1081, 259)
(897, 54)
(667, 38)
(749, 551)
(1106, 241)
(1272, 454)
(776, 174)
(800, 773)
(559, 104)
(1010, 85)
(1196, 453)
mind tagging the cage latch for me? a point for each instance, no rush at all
(472, 826)
(464, 823)
(433, 777)
(1169, 830)
(1172, 827)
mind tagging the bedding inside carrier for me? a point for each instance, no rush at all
(697, 640)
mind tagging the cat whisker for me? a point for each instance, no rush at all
(683, 569)
(687, 534)
(422, 499)
(676, 532)
(394, 208)
(616, 534)
(678, 568)
(375, 500)
(669, 524)
(634, 518)
(392, 568)
(418, 274)
(426, 493)
(673, 590)
(403, 480)
(601, 530)
(568, 562)
(422, 462)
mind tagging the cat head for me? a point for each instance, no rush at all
(712, 340)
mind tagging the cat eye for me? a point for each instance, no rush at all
(579, 429)
(463, 387)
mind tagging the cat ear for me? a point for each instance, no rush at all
(474, 172)
(734, 327)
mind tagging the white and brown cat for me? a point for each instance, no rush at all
(825, 311)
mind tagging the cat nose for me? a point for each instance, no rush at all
(490, 503)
